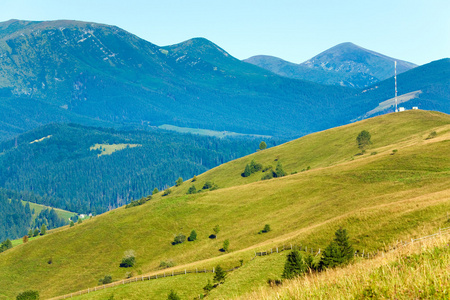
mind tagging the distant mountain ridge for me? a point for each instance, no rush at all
(345, 64)
(100, 75)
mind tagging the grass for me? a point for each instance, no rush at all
(107, 149)
(378, 198)
(414, 272)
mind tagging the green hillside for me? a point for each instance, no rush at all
(379, 198)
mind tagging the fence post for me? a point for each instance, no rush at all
(185, 272)
(291, 246)
(412, 241)
(213, 270)
(277, 249)
(172, 273)
(156, 276)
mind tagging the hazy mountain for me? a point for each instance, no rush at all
(94, 74)
(87, 73)
(345, 64)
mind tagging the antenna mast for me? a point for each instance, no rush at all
(395, 78)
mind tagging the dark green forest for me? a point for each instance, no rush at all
(61, 171)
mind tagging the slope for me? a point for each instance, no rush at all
(345, 64)
(378, 198)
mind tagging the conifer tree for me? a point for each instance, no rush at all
(338, 252)
(279, 172)
(43, 229)
(247, 171)
(294, 265)
(219, 275)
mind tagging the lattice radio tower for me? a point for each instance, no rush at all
(395, 78)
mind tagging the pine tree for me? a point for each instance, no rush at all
(43, 229)
(279, 172)
(294, 265)
(247, 171)
(36, 232)
(219, 275)
(338, 252)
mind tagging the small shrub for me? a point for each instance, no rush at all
(28, 295)
(179, 239)
(216, 229)
(274, 282)
(266, 228)
(167, 192)
(155, 191)
(141, 201)
(208, 185)
(36, 232)
(394, 151)
(268, 175)
(128, 274)
(193, 236)
(194, 178)
(192, 190)
(105, 280)
(432, 135)
(267, 168)
(166, 264)
(25, 239)
(173, 296)
(208, 287)
(251, 168)
(226, 245)
(72, 224)
(374, 153)
(80, 221)
(128, 260)
(179, 181)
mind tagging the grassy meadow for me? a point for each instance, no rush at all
(378, 198)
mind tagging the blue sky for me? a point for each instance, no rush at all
(414, 30)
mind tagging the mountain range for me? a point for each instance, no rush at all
(100, 75)
(345, 64)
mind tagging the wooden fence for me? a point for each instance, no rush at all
(261, 253)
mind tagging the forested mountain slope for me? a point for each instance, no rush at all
(77, 168)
